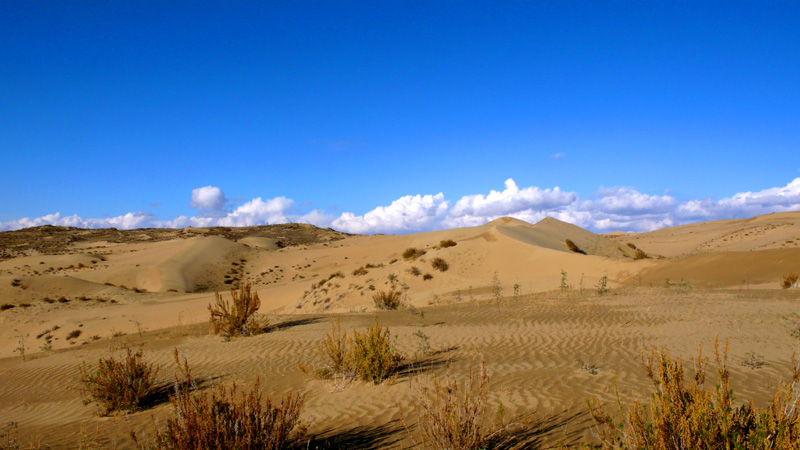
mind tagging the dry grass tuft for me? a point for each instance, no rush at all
(452, 415)
(360, 271)
(387, 300)
(235, 317)
(119, 384)
(440, 264)
(413, 253)
(687, 415)
(225, 420)
(789, 281)
(447, 243)
(414, 270)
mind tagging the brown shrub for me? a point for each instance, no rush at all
(688, 415)
(789, 281)
(387, 300)
(360, 271)
(235, 317)
(571, 245)
(6, 306)
(427, 277)
(413, 253)
(447, 243)
(631, 245)
(639, 254)
(225, 420)
(414, 270)
(440, 264)
(119, 385)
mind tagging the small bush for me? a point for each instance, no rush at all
(686, 414)
(360, 271)
(631, 245)
(119, 385)
(440, 264)
(370, 356)
(427, 277)
(6, 306)
(452, 415)
(639, 254)
(73, 334)
(236, 317)
(225, 420)
(413, 253)
(16, 282)
(571, 245)
(414, 270)
(447, 243)
(789, 281)
(387, 300)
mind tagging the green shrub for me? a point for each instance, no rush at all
(119, 384)
(440, 264)
(447, 243)
(369, 356)
(225, 420)
(686, 414)
(235, 317)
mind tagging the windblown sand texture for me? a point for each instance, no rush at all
(547, 350)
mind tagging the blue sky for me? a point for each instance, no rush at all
(357, 115)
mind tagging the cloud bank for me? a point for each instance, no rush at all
(618, 208)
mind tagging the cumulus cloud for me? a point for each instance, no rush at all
(409, 213)
(208, 200)
(622, 208)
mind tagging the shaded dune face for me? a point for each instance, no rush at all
(494, 291)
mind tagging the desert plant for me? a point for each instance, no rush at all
(119, 384)
(631, 245)
(639, 254)
(427, 277)
(497, 287)
(439, 264)
(374, 356)
(447, 243)
(235, 317)
(564, 285)
(571, 245)
(414, 270)
(360, 271)
(387, 300)
(74, 334)
(687, 415)
(602, 285)
(452, 415)
(6, 306)
(336, 349)
(224, 420)
(413, 253)
(789, 281)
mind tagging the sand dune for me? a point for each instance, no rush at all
(499, 298)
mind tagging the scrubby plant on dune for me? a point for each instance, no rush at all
(119, 384)
(447, 243)
(789, 281)
(369, 356)
(684, 414)
(440, 264)
(236, 317)
(223, 419)
(413, 253)
(387, 300)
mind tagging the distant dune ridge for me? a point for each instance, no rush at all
(103, 284)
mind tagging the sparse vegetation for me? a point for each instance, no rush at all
(789, 281)
(6, 306)
(413, 253)
(414, 270)
(631, 245)
(452, 415)
(427, 277)
(119, 384)
(369, 356)
(440, 264)
(447, 243)
(564, 284)
(387, 300)
(222, 419)
(571, 245)
(688, 415)
(235, 317)
(602, 285)
(74, 334)
(639, 254)
(360, 271)
(16, 282)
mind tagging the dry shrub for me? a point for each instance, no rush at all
(639, 254)
(369, 356)
(360, 271)
(789, 281)
(414, 270)
(631, 245)
(413, 253)
(688, 415)
(452, 415)
(427, 277)
(573, 247)
(447, 243)
(225, 420)
(440, 264)
(235, 317)
(387, 300)
(119, 384)
(6, 306)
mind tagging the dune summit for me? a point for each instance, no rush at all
(541, 302)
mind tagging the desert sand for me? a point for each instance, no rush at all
(75, 295)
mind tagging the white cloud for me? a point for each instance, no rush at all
(621, 208)
(209, 200)
(559, 155)
(409, 213)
